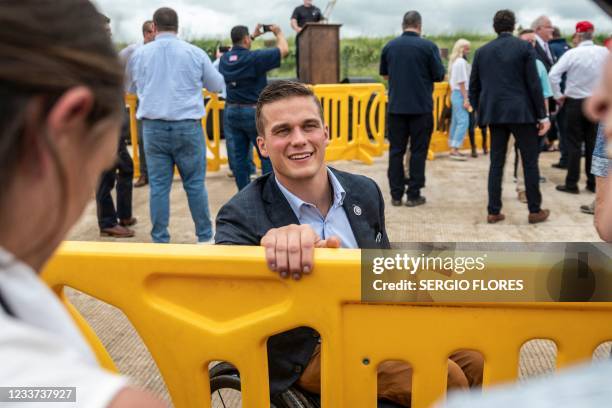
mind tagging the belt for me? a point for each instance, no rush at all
(241, 105)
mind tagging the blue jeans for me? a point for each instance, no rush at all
(240, 133)
(459, 122)
(180, 143)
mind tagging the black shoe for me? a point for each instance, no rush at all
(396, 203)
(590, 188)
(567, 189)
(559, 165)
(413, 202)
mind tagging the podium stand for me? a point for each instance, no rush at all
(318, 54)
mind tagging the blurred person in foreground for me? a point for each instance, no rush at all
(61, 107)
(506, 90)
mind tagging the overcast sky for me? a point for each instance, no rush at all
(215, 18)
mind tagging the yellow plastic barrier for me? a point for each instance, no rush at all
(365, 123)
(192, 305)
(214, 110)
(439, 138)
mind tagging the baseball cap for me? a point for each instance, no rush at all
(584, 26)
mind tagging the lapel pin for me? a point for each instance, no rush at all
(357, 210)
(378, 237)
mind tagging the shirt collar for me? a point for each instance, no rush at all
(166, 36)
(586, 43)
(540, 41)
(297, 203)
(411, 33)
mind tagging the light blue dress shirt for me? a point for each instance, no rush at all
(336, 223)
(168, 75)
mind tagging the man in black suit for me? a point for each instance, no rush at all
(411, 64)
(303, 205)
(506, 90)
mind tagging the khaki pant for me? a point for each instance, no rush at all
(394, 377)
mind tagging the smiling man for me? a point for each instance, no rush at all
(302, 205)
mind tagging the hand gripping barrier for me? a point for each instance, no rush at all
(192, 305)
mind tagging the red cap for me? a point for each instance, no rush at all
(584, 26)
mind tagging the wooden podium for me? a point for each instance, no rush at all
(318, 54)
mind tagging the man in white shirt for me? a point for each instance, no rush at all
(583, 66)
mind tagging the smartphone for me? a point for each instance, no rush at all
(267, 28)
(223, 48)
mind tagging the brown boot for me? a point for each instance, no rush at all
(493, 218)
(540, 216)
(117, 231)
(141, 182)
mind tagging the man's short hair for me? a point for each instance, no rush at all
(539, 22)
(165, 19)
(526, 31)
(556, 33)
(238, 33)
(504, 21)
(146, 26)
(586, 36)
(412, 19)
(282, 90)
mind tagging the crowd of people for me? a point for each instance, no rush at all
(62, 110)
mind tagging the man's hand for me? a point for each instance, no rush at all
(560, 101)
(543, 128)
(275, 29)
(290, 249)
(257, 31)
(467, 105)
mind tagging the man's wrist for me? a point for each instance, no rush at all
(544, 119)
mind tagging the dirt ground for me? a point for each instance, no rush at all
(456, 195)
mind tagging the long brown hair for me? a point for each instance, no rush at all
(46, 48)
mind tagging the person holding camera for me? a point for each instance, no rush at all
(245, 74)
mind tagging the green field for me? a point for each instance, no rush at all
(359, 57)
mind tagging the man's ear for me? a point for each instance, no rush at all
(70, 112)
(261, 144)
(326, 134)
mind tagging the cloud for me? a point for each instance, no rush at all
(208, 18)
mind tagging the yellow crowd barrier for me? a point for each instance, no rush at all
(440, 135)
(355, 114)
(193, 305)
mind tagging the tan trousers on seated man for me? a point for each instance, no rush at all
(465, 369)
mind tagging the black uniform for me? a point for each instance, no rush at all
(304, 15)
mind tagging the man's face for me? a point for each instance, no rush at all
(545, 31)
(294, 138)
(307, 3)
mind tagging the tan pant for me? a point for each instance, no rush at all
(465, 369)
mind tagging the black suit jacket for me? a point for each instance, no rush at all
(261, 206)
(504, 85)
(542, 56)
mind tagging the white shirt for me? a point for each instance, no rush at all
(42, 347)
(583, 65)
(460, 72)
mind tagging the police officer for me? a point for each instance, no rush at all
(245, 74)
